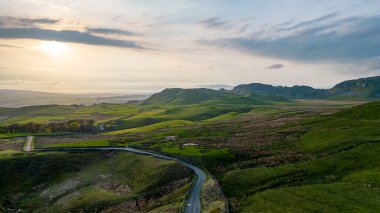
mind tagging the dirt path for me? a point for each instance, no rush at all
(28, 143)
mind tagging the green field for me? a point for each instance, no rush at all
(95, 143)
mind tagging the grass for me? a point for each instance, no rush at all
(351, 168)
(92, 143)
(12, 135)
(56, 113)
(265, 110)
(343, 175)
(9, 153)
(189, 113)
(227, 116)
(339, 134)
(315, 198)
(66, 181)
(24, 134)
(152, 127)
(195, 151)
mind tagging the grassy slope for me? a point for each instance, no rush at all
(344, 175)
(50, 113)
(169, 113)
(152, 127)
(70, 181)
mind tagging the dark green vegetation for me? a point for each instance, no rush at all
(90, 181)
(73, 126)
(364, 88)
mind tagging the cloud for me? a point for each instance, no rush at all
(213, 23)
(10, 46)
(16, 82)
(345, 39)
(109, 31)
(310, 22)
(8, 21)
(64, 36)
(275, 66)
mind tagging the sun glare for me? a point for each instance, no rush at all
(53, 48)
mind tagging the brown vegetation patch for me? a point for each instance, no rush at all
(115, 187)
(12, 143)
(125, 207)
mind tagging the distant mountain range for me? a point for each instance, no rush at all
(19, 98)
(359, 89)
(255, 93)
(363, 88)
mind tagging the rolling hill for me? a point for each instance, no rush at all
(202, 95)
(184, 96)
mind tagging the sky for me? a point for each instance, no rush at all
(144, 46)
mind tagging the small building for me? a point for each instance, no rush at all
(171, 138)
(190, 144)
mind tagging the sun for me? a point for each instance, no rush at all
(53, 48)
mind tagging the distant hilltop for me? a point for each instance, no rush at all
(362, 88)
(256, 93)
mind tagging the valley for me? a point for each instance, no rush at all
(260, 153)
(141, 106)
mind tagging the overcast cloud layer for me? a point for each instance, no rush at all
(145, 46)
(326, 38)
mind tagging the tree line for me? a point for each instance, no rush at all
(81, 125)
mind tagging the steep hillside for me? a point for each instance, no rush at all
(295, 92)
(363, 88)
(90, 182)
(359, 88)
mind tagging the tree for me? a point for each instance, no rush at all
(74, 127)
(47, 130)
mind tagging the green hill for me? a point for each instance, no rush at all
(195, 96)
(363, 88)
(295, 92)
(184, 96)
(359, 88)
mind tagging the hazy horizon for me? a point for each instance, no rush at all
(139, 47)
(121, 93)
